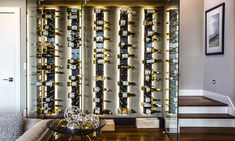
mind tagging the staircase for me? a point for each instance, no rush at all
(203, 115)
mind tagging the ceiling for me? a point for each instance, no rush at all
(107, 2)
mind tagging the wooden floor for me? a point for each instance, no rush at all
(127, 133)
(198, 101)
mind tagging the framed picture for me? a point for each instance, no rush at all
(214, 30)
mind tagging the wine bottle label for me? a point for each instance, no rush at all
(147, 77)
(97, 100)
(100, 22)
(46, 105)
(97, 110)
(48, 16)
(99, 50)
(72, 61)
(73, 16)
(124, 33)
(45, 33)
(147, 100)
(73, 10)
(47, 27)
(124, 55)
(122, 22)
(124, 95)
(100, 55)
(71, 95)
(150, 33)
(71, 44)
(148, 39)
(148, 89)
(150, 61)
(122, 44)
(50, 83)
(98, 10)
(99, 28)
(148, 111)
(147, 105)
(149, 11)
(96, 89)
(73, 78)
(74, 84)
(74, 27)
(148, 50)
(100, 61)
(99, 39)
(147, 72)
(125, 83)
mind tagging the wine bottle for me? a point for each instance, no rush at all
(48, 67)
(46, 55)
(101, 28)
(123, 44)
(125, 33)
(152, 50)
(174, 61)
(150, 40)
(98, 100)
(150, 33)
(126, 95)
(150, 111)
(148, 78)
(49, 83)
(101, 78)
(148, 89)
(73, 94)
(100, 22)
(126, 83)
(74, 61)
(100, 61)
(152, 22)
(74, 78)
(73, 67)
(151, 61)
(98, 89)
(151, 72)
(73, 10)
(73, 84)
(98, 111)
(125, 22)
(125, 67)
(73, 27)
(101, 39)
(152, 11)
(101, 55)
(125, 56)
(100, 50)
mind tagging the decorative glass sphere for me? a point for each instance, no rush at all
(71, 114)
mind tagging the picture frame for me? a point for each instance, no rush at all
(214, 30)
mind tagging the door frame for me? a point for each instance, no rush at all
(17, 54)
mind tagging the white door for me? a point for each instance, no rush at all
(9, 59)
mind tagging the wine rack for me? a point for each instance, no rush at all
(123, 57)
(74, 63)
(100, 58)
(151, 72)
(46, 67)
(173, 59)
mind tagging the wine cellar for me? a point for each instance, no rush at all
(112, 59)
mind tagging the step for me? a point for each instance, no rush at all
(198, 101)
(208, 130)
(203, 109)
(206, 120)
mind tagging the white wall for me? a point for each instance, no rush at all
(22, 5)
(222, 67)
(191, 44)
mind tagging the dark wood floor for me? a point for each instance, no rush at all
(127, 133)
(198, 101)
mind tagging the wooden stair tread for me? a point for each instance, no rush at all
(206, 116)
(208, 130)
(198, 101)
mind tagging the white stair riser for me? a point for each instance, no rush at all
(203, 109)
(206, 122)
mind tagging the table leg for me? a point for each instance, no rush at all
(98, 134)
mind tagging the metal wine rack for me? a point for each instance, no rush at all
(74, 63)
(99, 61)
(124, 83)
(173, 60)
(152, 79)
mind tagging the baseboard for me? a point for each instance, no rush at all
(221, 98)
(190, 92)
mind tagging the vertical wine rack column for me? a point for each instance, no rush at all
(173, 59)
(74, 63)
(100, 61)
(124, 66)
(46, 62)
(151, 104)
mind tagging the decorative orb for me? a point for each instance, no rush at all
(93, 120)
(73, 125)
(71, 114)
